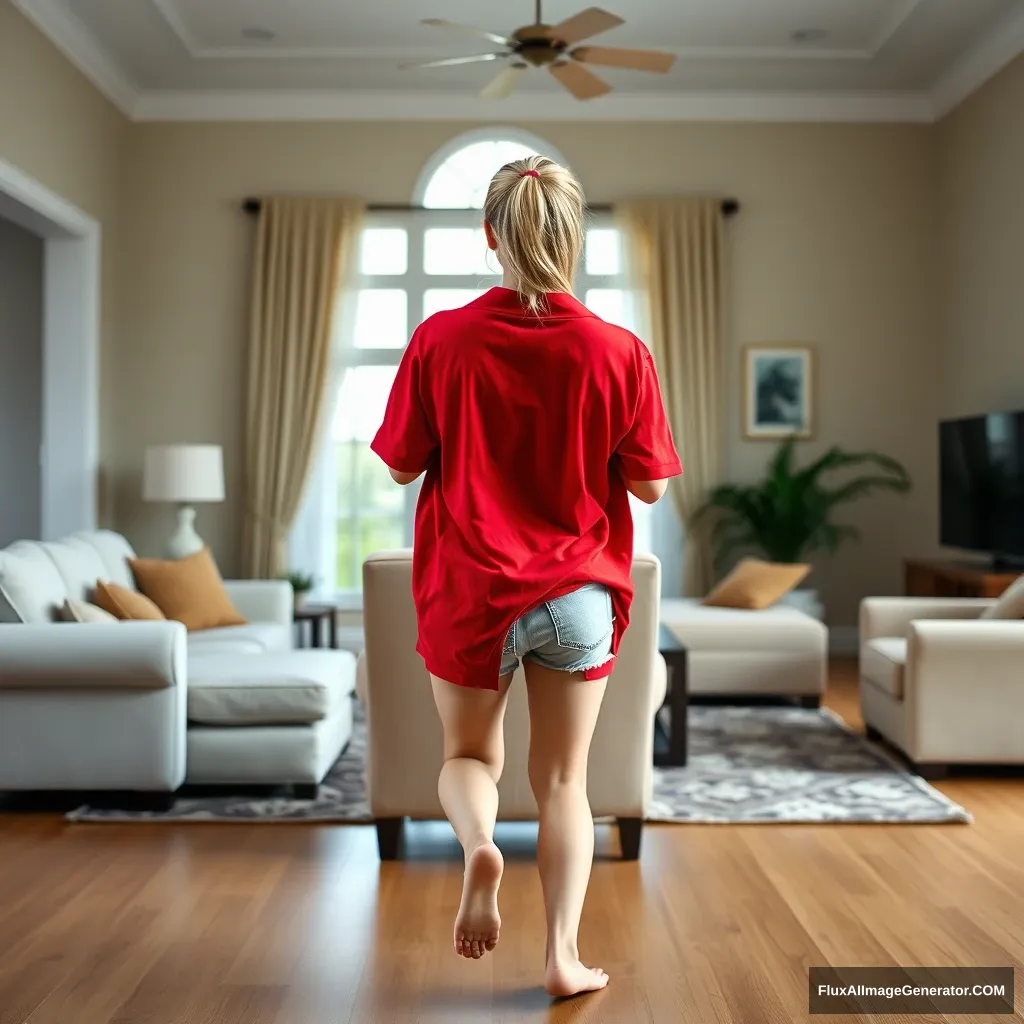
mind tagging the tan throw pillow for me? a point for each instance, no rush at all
(82, 611)
(1010, 605)
(755, 585)
(189, 590)
(126, 604)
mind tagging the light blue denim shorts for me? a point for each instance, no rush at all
(572, 633)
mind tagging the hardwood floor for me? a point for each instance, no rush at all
(293, 924)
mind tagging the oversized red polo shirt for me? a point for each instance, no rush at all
(526, 427)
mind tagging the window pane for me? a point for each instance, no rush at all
(384, 251)
(379, 533)
(362, 399)
(358, 538)
(381, 318)
(435, 299)
(457, 251)
(461, 181)
(604, 251)
(609, 304)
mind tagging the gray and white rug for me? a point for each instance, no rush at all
(747, 765)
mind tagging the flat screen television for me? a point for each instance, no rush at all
(982, 485)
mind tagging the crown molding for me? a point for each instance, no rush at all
(1003, 43)
(420, 106)
(80, 47)
(168, 10)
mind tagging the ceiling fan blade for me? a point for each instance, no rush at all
(635, 60)
(454, 26)
(456, 60)
(503, 83)
(583, 84)
(590, 22)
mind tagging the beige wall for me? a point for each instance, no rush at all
(834, 247)
(981, 161)
(55, 127)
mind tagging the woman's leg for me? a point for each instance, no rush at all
(474, 755)
(563, 712)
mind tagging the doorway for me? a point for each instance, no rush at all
(68, 466)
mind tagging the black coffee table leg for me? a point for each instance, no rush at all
(676, 754)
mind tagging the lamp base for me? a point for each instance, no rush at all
(185, 540)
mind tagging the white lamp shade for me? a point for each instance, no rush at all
(184, 473)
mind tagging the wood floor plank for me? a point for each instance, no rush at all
(208, 924)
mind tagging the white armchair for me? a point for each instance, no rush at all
(405, 737)
(942, 685)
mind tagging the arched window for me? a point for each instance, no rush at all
(414, 262)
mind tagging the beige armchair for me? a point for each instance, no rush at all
(942, 686)
(405, 740)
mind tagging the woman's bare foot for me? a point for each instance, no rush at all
(478, 923)
(570, 979)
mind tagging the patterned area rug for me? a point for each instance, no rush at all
(748, 765)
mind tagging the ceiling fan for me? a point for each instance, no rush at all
(553, 47)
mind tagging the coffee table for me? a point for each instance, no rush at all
(670, 744)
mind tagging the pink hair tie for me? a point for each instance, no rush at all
(529, 174)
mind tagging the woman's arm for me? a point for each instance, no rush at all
(648, 491)
(403, 478)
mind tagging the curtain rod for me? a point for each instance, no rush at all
(729, 207)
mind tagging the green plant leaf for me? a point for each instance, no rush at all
(787, 516)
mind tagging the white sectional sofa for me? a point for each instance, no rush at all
(778, 652)
(145, 706)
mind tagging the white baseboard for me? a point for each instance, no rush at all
(843, 640)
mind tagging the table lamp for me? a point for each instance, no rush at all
(184, 474)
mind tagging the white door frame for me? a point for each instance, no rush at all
(69, 459)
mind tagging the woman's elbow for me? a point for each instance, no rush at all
(402, 478)
(648, 491)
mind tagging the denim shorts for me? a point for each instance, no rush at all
(572, 633)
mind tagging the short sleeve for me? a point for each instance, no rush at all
(647, 451)
(406, 440)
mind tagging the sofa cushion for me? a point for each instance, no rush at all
(755, 585)
(703, 628)
(254, 638)
(114, 552)
(883, 662)
(82, 611)
(79, 565)
(189, 590)
(31, 588)
(127, 605)
(296, 688)
(1010, 605)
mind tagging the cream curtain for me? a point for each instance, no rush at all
(305, 250)
(675, 256)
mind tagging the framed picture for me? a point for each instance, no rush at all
(778, 381)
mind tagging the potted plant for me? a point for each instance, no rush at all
(302, 583)
(787, 516)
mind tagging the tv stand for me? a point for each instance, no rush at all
(935, 578)
(1007, 564)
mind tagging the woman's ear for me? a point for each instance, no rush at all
(492, 241)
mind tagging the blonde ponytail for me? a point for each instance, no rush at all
(535, 209)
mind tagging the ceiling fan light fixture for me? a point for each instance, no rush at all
(809, 35)
(258, 34)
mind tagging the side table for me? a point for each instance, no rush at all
(323, 624)
(670, 744)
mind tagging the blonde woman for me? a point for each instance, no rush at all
(532, 419)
